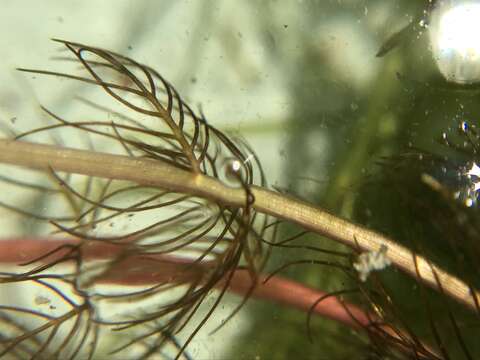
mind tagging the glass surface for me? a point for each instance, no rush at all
(368, 109)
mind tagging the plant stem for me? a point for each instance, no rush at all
(162, 175)
(147, 270)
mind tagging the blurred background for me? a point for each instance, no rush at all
(299, 80)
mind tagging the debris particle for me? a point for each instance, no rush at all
(41, 300)
(371, 261)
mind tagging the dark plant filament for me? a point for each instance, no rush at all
(206, 222)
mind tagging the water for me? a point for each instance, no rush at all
(300, 82)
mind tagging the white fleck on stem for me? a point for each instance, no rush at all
(372, 261)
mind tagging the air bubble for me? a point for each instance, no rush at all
(423, 23)
(233, 172)
(455, 44)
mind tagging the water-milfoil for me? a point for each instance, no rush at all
(196, 212)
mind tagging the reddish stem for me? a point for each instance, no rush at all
(147, 269)
(290, 293)
(136, 270)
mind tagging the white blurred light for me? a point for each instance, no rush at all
(455, 38)
(474, 171)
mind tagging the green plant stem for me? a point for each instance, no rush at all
(160, 174)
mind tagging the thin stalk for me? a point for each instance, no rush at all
(160, 174)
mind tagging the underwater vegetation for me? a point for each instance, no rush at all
(154, 216)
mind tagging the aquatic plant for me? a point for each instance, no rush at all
(201, 218)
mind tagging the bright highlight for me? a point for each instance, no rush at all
(454, 34)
